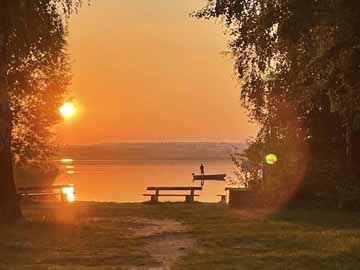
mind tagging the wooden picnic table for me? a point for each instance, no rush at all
(63, 193)
(188, 197)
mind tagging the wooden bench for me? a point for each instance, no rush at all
(188, 197)
(63, 193)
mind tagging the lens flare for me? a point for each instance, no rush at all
(271, 159)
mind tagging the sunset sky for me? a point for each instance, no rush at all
(146, 71)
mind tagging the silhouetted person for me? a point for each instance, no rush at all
(202, 172)
(202, 169)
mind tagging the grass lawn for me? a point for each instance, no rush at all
(121, 236)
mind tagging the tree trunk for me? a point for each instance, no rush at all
(348, 142)
(355, 153)
(9, 205)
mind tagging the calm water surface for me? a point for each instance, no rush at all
(126, 180)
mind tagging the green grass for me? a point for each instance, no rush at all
(290, 239)
(96, 236)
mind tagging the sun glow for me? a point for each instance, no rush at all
(67, 110)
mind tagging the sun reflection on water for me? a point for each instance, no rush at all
(66, 160)
(69, 191)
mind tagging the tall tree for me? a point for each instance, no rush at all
(311, 50)
(15, 27)
(38, 84)
(9, 207)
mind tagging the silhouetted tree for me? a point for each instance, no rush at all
(22, 44)
(298, 62)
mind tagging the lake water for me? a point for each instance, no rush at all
(126, 180)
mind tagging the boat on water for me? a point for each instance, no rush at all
(209, 177)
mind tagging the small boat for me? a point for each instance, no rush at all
(209, 177)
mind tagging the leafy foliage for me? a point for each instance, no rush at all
(38, 79)
(299, 66)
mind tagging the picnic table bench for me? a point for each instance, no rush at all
(188, 197)
(64, 193)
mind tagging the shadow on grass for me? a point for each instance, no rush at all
(325, 218)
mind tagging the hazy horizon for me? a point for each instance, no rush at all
(151, 151)
(154, 142)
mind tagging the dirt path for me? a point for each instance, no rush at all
(167, 240)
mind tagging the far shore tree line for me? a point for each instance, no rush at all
(34, 79)
(299, 64)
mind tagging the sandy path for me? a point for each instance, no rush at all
(167, 241)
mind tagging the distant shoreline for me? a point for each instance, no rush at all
(143, 159)
(155, 142)
(151, 151)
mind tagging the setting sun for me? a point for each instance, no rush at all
(67, 110)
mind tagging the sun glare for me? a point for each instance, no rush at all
(67, 110)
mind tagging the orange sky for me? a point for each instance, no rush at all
(145, 71)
